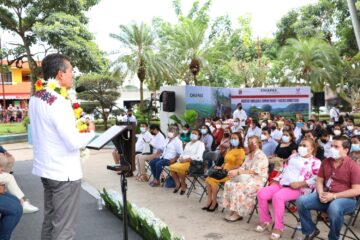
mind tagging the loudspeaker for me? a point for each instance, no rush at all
(319, 99)
(168, 100)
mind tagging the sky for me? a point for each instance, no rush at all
(106, 17)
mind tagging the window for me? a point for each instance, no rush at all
(7, 78)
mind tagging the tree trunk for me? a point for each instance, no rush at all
(355, 21)
(195, 80)
(32, 63)
(141, 92)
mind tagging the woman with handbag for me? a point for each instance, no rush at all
(239, 195)
(233, 159)
(298, 177)
(193, 152)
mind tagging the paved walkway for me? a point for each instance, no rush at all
(183, 215)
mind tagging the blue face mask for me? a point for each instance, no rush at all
(203, 131)
(234, 142)
(355, 148)
(300, 124)
(194, 137)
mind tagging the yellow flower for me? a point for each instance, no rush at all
(52, 85)
(63, 92)
(77, 113)
(38, 85)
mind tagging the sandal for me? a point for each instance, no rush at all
(143, 178)
(275, 236)
(263, 227)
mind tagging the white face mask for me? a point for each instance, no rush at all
(218, 126)
(207, 124)
(302, 151)
(142, 129)
(350, 128)
(337, 132)
(236, 124)
(263, 125)
(335, 154)
(170, 134)
(285, 139)
(263, 137)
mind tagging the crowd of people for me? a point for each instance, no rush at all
(316, 166)
(12, 114)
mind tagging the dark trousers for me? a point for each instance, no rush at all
(61, 205)
(11, 212)
(156, 166)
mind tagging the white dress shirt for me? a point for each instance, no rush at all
(297, 133)
(142, 138)
(194, 150)
(173, 147)
(252, 132)
(334, 114)
(56, 140)
(241, 115)
(157, 142)
(131, 119)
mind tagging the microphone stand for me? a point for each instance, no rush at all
(124, 170)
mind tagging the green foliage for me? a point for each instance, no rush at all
(12, 128)
(104, 92)
(60, 26)
(189, 116)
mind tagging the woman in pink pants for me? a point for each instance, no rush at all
(298, 177)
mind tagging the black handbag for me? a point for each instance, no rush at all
(218, 174)
(196, 168)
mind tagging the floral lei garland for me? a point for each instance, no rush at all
(53, 85)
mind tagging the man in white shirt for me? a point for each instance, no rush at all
(276, 134)
(334, 114)
(173, 148)
(253, 130)
(56, 145)
(240, 114)
(129, 117)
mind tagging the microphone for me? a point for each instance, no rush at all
(80, 89)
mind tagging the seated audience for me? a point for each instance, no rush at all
(355, 148)
(206, 137)
(236, 125)
(233, 159)
(193, 152)
(240, 191)
(213, 156)
(218, 133)
(325, 141)
(269, 145)
(8, 160)
(254, 130)
(350, 127)
(276, 133)
(287, 145)
(319, 148)
(337, 185)
(185, 134)
(298, 177)
(338, 130)
(10, 214)
(173, 148)
(157, 144)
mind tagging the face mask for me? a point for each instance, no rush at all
(207, 124)
(142, 129)
(170, 134)
(356, 132)
(331, 123)
(194, 137)
(285, 139)
(218, 126)
(335, 154)
(236, 124)
(234, 142)
(226, 135)
(324, 141)
(350, 128)
(263, 125)
(355, 147)
(203, 131)
(273, 128)
(302, 151)
(324, 125)
(185, 131)
(337, 132)
(311, 127)
(263, 137)
(129, 115)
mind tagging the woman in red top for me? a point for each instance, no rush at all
(218, 133)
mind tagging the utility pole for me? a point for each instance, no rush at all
(2, 81)
(355, 21)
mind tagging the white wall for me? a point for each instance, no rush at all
(180, 105)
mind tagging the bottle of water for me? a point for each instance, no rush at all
(99, 203)
(298, 233)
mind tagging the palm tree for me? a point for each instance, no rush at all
(313, 60)
(138, 54)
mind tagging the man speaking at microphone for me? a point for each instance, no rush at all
(56, 145)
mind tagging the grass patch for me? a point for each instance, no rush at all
(12, 128)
